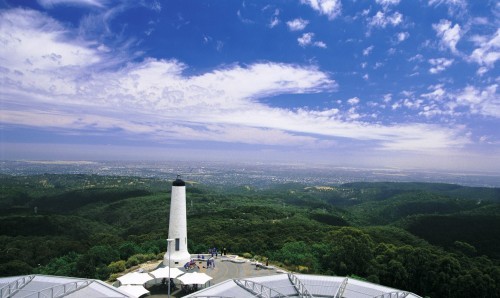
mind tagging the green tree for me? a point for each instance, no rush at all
(297, 254)
(351, 251)
(128, 249)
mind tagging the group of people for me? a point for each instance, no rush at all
(189, 288)
(215, 252)
(191, 265)
(211, 263)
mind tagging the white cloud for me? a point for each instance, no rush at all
(412, 104)
(46, 68)
(58, 87)
(386, 3)
(488, 51)
(297, 24)
(437, 94)
(466, 102)
(439, 64)
(307, 40)
(417, 57)
(387, 97)
(156, 6)
(396, 105)
(454, 6)
(460, 3)
(51, 3)
(485, 101)
(353, 101)
(381, 19)
(481, 71)
(243, 19)
(402, 36)
(449, 35)
(320, 44)
(368, 50)
(330, 8)
(274, 22)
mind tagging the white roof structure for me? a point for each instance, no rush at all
(134, 290)
(164, 272)
(56, 286)
(192, 278)
(135, 278)
(300, 285)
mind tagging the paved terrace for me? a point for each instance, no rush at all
(226, 267)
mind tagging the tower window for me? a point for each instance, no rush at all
(177, 244)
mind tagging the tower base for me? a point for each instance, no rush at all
(177, 259)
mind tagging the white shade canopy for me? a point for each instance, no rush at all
(135, 278)
(194, 278)
(134, 290)
(163, 272)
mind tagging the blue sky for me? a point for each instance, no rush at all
(383, 83)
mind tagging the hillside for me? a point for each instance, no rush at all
(421, 237)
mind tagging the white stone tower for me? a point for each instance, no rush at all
(177, 252)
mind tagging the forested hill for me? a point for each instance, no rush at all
(437, 240)
(444, 189)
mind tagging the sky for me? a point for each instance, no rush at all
(409, 84)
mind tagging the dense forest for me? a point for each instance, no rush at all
(436, 240)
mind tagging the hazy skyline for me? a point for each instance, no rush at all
(384, 83)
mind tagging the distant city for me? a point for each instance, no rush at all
(255, 174)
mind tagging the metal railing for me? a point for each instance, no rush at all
(13, 287)
(341, 289)
(258, 289)
(299, 286)
(398, 294)
(59, 290)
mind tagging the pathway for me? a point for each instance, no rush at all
(224, 270)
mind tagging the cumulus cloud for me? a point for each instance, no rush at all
(449, 35)
(297, 24)
(484, 101)
(437, 94)
(466, 102)
(402, 36)
(330, 8)
(439, 64)
(320, 44)
(487, 52)
(382, 19)
(307, 40)
(353, 101)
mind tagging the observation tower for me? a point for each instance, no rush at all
(177, 253)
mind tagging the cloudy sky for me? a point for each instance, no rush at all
(380, 83)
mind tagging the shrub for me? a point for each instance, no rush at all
(117, 266)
